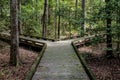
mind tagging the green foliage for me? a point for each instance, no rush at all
(31, 23)
(2, 25)
(95, 19)
(32, 28)
(97, 39)
(4, 15)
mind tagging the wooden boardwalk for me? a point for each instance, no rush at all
(60, 62)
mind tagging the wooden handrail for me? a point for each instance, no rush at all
(23, 40)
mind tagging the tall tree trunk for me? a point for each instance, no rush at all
(14, 49)
(44, 18)
(1, 10)
(19, 13)
(76, 8)
(49, 11)
(70, 24)
(0, 13)
(56, 9)
(59, 18)
(33, 9)
(109, 52)
(36, 10)
(83, 28)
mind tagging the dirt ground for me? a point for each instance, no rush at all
(15, 73)
(103, 68)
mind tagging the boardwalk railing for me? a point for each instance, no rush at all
(23, 40)
(30, 42)
(79, 54)
(80, 43)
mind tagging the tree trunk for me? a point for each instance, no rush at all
(56, 9)
(109, 52)
(76, 8)
(44, 18)
(49, 11)
(19, 22)
(36, 10)
(70, 24)
(14, 49)
(83, 28)
(59, 26)
(1, 10)
(59, 18)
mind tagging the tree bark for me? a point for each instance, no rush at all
(59, 18)
(76, 8)
(49, 11)
(83, 28)
(36, 10)
(56, 9)
(14, 48)
(19, 21)
(1, 11)
(44, 18)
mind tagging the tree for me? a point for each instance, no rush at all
(76, 8)
(59, 19)
(49, 11)
(83, 18)
(109, 52)
(14, 48)
(1, 9)
(19, 22)
(44, 18)
(36, 10)
(56, 9)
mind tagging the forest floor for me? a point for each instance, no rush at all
(103, 68)
(19, 72)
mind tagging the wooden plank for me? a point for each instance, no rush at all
(25, 40)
